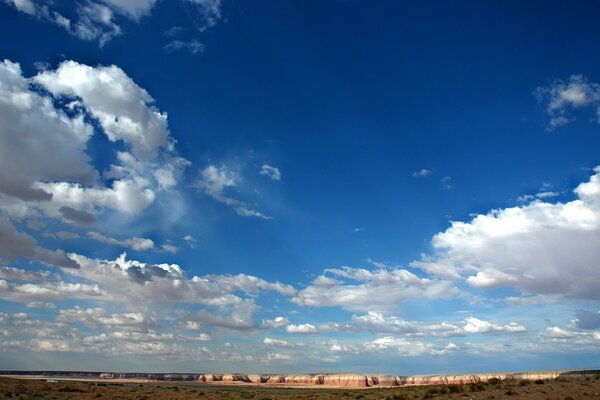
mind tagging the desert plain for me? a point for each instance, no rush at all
(560, 387)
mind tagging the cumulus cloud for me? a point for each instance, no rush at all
(270, 172)
(214, 181)
(359, 289)
(540, 248)
(99, 317)
(275, 323)
(560, 97)
(55, 176)
(123, 109)
(38, 141)
(475, 325)
(301, 328)
(276, 343)
(47, 291)
(138, 282)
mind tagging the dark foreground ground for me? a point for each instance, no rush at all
(561, 389)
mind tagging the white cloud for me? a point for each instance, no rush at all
(302, 328)
(133, 8)
(26, 6)
(99, 317)
(561, 97)
(27, 292)
(474, 325)
(275, 323)
(270, 172)
(55, 178)
(123, 109)
(37, 141)
(17, 274)
(99, 19)
(95, 21)
(134, 243)
(421, 173)
(276, 343)
(540, 248)
(214, 181)
(169, 248)
(365, 290)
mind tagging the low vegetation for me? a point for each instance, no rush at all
(559, 389)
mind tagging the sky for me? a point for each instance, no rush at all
(299, 186)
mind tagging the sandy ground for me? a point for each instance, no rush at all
(31, 388)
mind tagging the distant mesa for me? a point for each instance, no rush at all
(333, 380)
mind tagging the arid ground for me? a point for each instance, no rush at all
(560, 389)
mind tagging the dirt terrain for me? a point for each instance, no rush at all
(570, 388)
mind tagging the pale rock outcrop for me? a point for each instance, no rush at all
(276, 379)
(349, 380)
(235, 378)
(255, 378)
(214, 378)
(384, 380)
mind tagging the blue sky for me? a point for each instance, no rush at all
(206, 185)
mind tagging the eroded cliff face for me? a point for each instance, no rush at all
(338, 380)
(359, 380)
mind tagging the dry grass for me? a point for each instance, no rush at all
(559, 389)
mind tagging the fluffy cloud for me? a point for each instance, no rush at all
(359, 289)
(213, 181)
(28, 153)
(474, 325)
(560, 97)
(47, 291)
(99, 317)
(540, 248)
(276, 322)
(276, 343)
(123, 109)
(55, 174)
(141, 283)
(44, 168)
(302, 328)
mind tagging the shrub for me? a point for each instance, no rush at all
(509, 392)
(494, 381)
(455, 388)
(539, 382)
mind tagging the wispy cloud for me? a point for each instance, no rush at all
(214, 181)
(421, 173)
(193, 46)
(270, 172)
